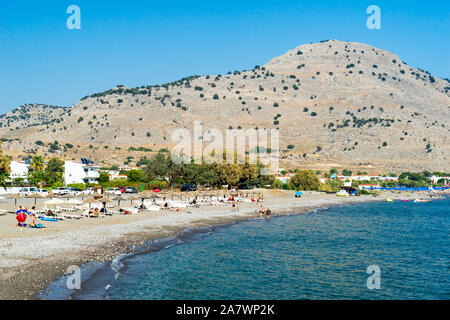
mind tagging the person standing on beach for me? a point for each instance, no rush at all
(261, 212)
(233, 205)
(237, 206)
(268, 212)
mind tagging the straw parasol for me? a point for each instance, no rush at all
(90, 201)
(146, 195)
(68, 196)
(173, 194)
(135, 198)
(15, 197)
(104, 201)
(54, 202)
(179, 194)
(74, 201)
(35, 196)
(118, 199)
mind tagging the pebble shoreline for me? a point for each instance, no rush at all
(29, 265)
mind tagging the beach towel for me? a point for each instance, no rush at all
(36, 226)
(48, 219)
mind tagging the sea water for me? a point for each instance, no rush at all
(324, 254)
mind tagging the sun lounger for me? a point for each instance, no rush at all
(71, 216)
(52, 210)
(66, 209)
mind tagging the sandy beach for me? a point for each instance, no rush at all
(30, 259)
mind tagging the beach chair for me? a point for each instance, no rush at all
(71, 216)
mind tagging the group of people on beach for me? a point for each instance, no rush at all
(22, 214)
(259, 198)
(235, 204)
(264, 211)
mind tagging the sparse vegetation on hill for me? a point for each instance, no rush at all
(322, 93)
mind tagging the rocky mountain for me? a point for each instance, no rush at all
(336, 104)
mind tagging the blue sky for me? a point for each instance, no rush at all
(137, 42)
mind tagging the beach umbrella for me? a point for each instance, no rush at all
(90, 201)
(74, 201)
(135, 198)
(146, 195)
(35, 196)
(54, 202)
(15, 197)
(179, 194)
(104, 201)
(68, 196)
(118, 199)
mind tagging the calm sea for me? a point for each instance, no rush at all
(321, 255)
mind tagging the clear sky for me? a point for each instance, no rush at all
(138, 42)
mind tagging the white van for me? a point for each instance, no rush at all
(27, 191)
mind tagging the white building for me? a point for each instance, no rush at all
(434, 179)
(19, 170)
(113, 174)
(285, 178)
(84, 171)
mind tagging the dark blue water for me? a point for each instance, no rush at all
(321, 255)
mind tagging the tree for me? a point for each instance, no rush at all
(306, 180)
(161, 167)
(36, 172)
(228, 173)
(346, 172)
(277, 184)
(103, 178)
(135, 175)
(4, 169)
(53, 173)
(249, 173)
(202, 174)
(331, 186)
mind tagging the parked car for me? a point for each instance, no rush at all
(60, 191)
(75, 191)
(188, 187)
(43, 192)
(27, 191)
(115, 191)
(245, 187)
(122, 189)
(89, 191)
(131, 190)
